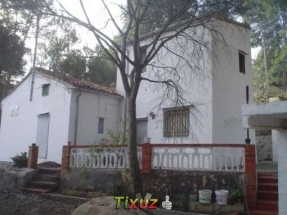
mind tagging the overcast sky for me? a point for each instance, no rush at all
(99, 17)
(97, 13)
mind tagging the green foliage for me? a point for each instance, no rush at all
(73, 65)
(237, 194)
(85, 176)
(59, 54)
(269, 30)
(116, 138)
(122, 189)
(23, 155)
(263, 91)
(158, 13)
(20, 160)
(11, 59)
(185, 200)
(101, 69)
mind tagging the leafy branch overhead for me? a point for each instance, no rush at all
(269, 31)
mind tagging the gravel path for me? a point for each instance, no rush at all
(15, 202)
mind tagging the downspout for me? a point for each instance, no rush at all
(34, 58)
(77, 116)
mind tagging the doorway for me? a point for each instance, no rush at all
(43, 134)
(141, 129)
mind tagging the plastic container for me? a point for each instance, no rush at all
(205, 196)
(221, 197)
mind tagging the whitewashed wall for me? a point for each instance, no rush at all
(275, 145)
(228, 88)
(196, 89)
(93, 106)
(18, 132)
(218, 94)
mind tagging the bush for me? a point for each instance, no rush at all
(20, 160)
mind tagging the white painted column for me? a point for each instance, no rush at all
(282, 167)
(274, 145)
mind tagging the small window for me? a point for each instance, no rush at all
(241, 62)
(143, 53)
(176, 122)
(45, 89)
(101, 126)
(0, 115)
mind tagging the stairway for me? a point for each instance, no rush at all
(46, 180)
(267, 194)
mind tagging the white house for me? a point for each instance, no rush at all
(62, 110)
(212, 80)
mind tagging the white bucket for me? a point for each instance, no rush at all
(221, 197)
(205, 196)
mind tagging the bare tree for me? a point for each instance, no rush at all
(176, 17)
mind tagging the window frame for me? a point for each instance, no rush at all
(0, 115)
(172, 127)
(101, 125)
(241, 62)
(45, 86)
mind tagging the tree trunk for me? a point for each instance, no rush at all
(136, 178)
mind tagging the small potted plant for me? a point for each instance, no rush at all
(237, 196)
(20, 160)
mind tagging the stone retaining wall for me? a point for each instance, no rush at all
(158, 183)
(264, 148)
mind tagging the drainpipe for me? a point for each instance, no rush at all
(77, 116)
(34, 58)
(247, 140)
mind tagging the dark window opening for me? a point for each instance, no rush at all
(0, 114)
(45, 89)
(176, 122)
(142, 129)
(142, 54)
(241, 63)
(101, 126)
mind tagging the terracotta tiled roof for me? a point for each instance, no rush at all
(77, 82)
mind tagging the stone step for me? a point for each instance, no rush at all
(50, 171)
(267, 205)
(47, 177)
(267, 187)
(46, 185)
(267, 179)
(35, 190)
(267, 195)
(262, 212)
(267, 174)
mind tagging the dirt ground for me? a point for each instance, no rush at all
(15, 202)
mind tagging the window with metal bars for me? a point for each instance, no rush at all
(176, 122)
